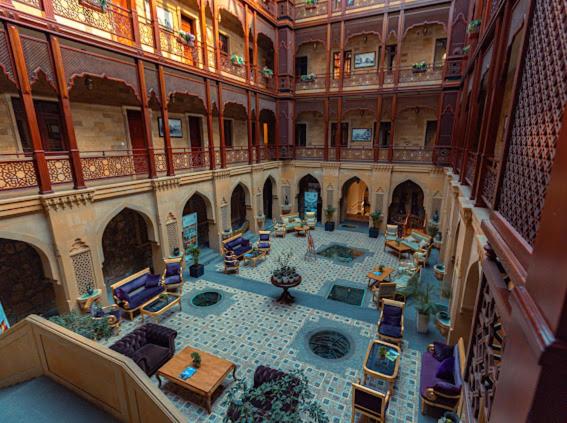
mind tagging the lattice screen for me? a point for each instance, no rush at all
(84, 270)
(172, 235)
(379, 201)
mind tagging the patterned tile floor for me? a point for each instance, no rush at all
(249, 328)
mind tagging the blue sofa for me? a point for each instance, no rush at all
(131, 293)
(237, 245)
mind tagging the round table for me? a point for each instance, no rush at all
(286, 297)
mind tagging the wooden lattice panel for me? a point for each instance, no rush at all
(537, 120)
(37, 59)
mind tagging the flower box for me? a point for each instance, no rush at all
(310, 4)
(237, 60)
(419, 67)
(186, 38)
(310, 77)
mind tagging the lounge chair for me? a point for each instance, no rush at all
(369, 402)
(391, 321)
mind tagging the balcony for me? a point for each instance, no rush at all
(430, 73)
(310, 9)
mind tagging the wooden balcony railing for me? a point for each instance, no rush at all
(316, 83)
(306, 9)
(433, 72)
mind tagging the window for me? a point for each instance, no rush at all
(187, 24)
(344, 134)
(301, 65)
(50, 124)
(227, 124)
(224, 43)
(165, 18)
(390, 56)
(301, 134)
(430, 131)
(347, 55)
(384, 134)
(440, 52)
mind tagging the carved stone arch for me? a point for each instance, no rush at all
(208, 203)
(226, 13)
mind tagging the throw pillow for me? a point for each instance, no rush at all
(442, 351)
(445, 370)
(171, 269)
(152, 281)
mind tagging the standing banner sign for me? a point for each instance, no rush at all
(310, 200)
(189, 231)
(4, 325)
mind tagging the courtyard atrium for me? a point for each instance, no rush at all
(281, 211)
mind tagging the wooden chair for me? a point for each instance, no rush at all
(391, 322)
(263, 243)
(383, 290)
(391, 233)
(280, 230)
(231, 263)
(369, 402)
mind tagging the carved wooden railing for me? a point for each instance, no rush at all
(357, 154)
(311, 152)
(304, 10)
(433, 72)
(316, 84)
(114, 163)
(237, 155)
(17, 171)
(412, 154)
(190, 159)
(361, 78)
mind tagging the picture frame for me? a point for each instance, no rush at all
(365, 60)
(175, 128)
(361, 135)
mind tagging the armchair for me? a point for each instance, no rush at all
(441, 378)
(150, 346)
(231, 263)
(369, 402)
(311, 219)
(421, 256)
(406, 280)
(280, 230)
(391, 321)
(383, 290)
(264, 242)
(391, 233)
(172, 276)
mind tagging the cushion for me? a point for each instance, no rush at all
(172, 269)
(447, 388)
(134, 284)
(120, 294)
(152, 281)
(232, 244)
(446, 369)
(429, 366)
(395, 331)
(173, 279)
(264, 245)
(244, 242)
(442, 351)
(368, 401)
(264, 237)
(153, 354)
(241, 250)
(391, 311)
(141, 297)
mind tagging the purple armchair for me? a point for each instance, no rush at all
(391, 322)
(172, 276)
(150, 346)
(442, 372)
(369, 402)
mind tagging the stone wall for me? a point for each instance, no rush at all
(411, 125)
(316, 57)
(100, 127)
(419, 45)
(8, 139)
(24, 289)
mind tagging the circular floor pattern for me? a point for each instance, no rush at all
(206, 299)
(329, 344)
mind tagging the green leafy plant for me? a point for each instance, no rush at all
(432, 229)
(267, 72)
(187, 38)
(329, 212)
(381, 268)
(283, 268)
(237, 60)
(473, 26)
(196, 357)
(466, 49)
(419, 66)
(194, 252)
(310, 77)
(291, 401)
(376, 217)
(84, 325)
(424, 305)
(310, 3)
(382, 352)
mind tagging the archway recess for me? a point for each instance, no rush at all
(239, 207)
(309, 184)
(199, 205)
(406, 208)
(354, 203)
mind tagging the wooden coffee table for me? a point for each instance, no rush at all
(157, 306)
(382, 368)
(374, 279)
(207, 378)
(398, 247)
(252, 259)
(301, 230)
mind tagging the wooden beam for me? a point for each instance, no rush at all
(394, 113)
(247, 43)
(203, 24)
(146, 120)
(257, 134)
(221, 126)
(165, 118)
(376, 151)
(210, 136)
(249, 128)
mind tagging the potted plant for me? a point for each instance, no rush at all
(286, 399)
(84, 325)
(439, 271)
(419, 67)
(267, 72)
(310, 77)
(432, 229)
(186, 38)
(449, 417)
(310, 4)
(376, 217)
(442, 320)
(424, 308)
(466, 49)
(196, 357)
(329, 224)
(473, 27)
(382, 351)
(237, 60)
(196, 270)
(381, 268)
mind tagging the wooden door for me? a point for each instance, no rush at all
(188, 25)
(137, 140)
(195, 133)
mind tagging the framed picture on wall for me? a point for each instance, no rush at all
(175, 128)
(361, 134)
(365, 60)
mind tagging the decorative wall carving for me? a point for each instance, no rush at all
(81, 258)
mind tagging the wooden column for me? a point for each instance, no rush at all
(135, 24)
(470, 118)
(339, 132)
(247, 42)
(24, 88)
(65, 107)
(277, 132)
(401, 26)
(276, 63)
(377, 132)
(326, 129)
(210, 137)
(259, 145)
(146, 119)
(249, 128)
(393, 127)
(203, 24)
(155, 25)
(328, 60)
(165, 118)
(220, 106)
(216, 35)
(255, 46)
(438, 131)
(341, 57)
(380, 68)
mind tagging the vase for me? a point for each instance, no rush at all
(422, 323)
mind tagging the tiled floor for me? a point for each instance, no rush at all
(250, 329)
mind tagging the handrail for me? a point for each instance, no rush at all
(111, 381)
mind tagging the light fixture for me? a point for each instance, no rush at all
(89, 83)
(417, 110)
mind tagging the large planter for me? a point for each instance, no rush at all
(422, 323)
(443, 323)
(286, 282)
(286, 209)
(439, 271)
(373, 232)
(330, 226)
(197, 270)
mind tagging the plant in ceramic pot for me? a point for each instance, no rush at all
(196, 359)
(237, 60)
(376, 217)
(267, 72)
(186, 38)
(310, 77)
(474, 26)
(382, 351)
(419, 67)
(196, 269)
(425, 308)
(329, 213)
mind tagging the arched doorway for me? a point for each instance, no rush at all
(198, 204)
(126, 246)
(238, 212)
(354, 202)
(268, 197)
(24, 287)
(309, 184)
(406, 208)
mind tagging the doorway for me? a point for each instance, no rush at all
(309, 184)
(195, 133)
(137, 141)
(267, 195)
(354, 202)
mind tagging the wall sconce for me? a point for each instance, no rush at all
(365, 39)
(314, 46)
(417, 110)
(425, 30)
(89, 83)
